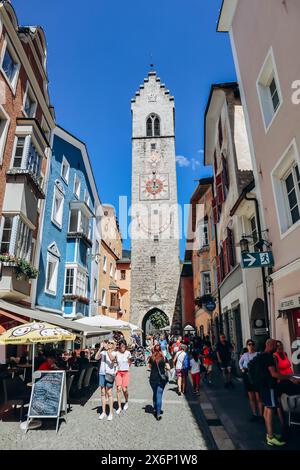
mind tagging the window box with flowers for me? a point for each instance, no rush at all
(24, 270)
(78, 298)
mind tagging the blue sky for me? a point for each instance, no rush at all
(98, 55)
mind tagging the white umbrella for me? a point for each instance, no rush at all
(166, 328)
(189, 328)
(134, 327)
(102, 321)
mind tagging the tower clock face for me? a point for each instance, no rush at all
(154, 186)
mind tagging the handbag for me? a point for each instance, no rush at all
(164, 377)
(110, 378)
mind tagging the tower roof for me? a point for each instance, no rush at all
(152, 75)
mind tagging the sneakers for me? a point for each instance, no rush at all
(273, 441)
(102, 416)
(118, 411)
(110, 417)
(125, 407)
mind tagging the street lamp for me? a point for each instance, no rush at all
(244, 244)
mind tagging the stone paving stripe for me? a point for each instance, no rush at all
(214, 422)
(144, 400)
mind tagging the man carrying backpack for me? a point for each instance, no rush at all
(181, 362)
(266, 368)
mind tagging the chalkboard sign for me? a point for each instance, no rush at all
(48, 395)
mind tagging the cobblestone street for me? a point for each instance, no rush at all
(183, 425)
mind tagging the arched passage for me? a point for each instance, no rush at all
(258, 324)
(159, 320)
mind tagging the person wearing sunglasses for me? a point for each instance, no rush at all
(253, 394)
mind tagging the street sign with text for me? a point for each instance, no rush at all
(262, 259)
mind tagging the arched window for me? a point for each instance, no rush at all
(153, 126)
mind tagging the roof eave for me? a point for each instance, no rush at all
(226, 16)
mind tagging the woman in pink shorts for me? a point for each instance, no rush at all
(123, 359)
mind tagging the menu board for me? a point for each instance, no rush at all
(47, 393)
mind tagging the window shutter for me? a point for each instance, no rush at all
(225, 257)
(219, 270)
(225, 172)
(220, 132)
(215, 211)
(215, 162)
(231, 247)
(220, 189)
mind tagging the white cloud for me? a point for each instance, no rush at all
(185, 162)
(200, 151)
(182, 161)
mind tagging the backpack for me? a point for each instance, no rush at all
(256, 371)
(186, 361)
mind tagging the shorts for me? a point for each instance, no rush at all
(122, 378)
(225, 365)
(269, 397)
(181, 372)
(249, 387)
(104, 383)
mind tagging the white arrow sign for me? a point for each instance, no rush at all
(250, 260)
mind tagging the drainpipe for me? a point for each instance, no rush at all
(219, 294)
(263, 274)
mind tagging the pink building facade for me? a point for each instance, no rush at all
(264, 37)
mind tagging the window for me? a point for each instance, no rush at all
(104, 263)
(19, 150)
(114, 300)
(69, 282)
(206, 283)
(103, 297)
(27, 160)
(4, 125)
(30, 103)
(203, 233)
(57, 207)
(95, 295)
(79, 222)
(153, 260)
(123, 274)
(6, 235)
(153, 126)
(81, 283)
(65, 170)
(51, 275)
(23, 241)
(269, 90)
(286, 189)
(111, 270)
(87, 198)
(77, 186)
(10, 66)
(220, 132)
(153, 146)
(292, 187)
(156, 238)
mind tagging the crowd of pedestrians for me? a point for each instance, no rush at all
(266, 375)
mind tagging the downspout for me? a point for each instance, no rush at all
(217, 251)
(263, 274)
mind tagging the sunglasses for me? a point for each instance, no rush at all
(250, 344)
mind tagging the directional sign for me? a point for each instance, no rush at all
(263, 259)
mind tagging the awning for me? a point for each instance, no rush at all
(35, 314)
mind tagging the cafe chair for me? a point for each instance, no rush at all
(291, 405)
(15, 394)
(80, 380)
(87, 377)
(70, 381)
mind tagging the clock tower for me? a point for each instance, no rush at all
(155, 263)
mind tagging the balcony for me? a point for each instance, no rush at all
(25, 176)
(79, 226)
(13, 286)
(77, 298)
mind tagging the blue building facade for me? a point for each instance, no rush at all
(67, 275)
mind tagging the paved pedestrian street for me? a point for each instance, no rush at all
(183, 426)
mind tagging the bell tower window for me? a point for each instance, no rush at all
(153, 126)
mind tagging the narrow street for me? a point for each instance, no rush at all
(183, 425)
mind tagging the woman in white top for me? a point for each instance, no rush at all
(195, 371)
(253, 394)
(107, 356)
(123, 359)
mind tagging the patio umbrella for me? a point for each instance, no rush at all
(189, 328)
(35, 332)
